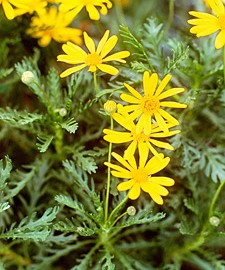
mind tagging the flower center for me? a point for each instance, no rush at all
(140, 137)
(150, 105)
(140, 175)
(221, 21)
(93, 59)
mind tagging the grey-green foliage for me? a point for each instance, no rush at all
(32, 227)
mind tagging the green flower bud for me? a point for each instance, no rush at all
(131, 210)
(27, 77)
(214, 221)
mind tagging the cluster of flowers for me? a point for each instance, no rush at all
(145, 122)
(51, 18)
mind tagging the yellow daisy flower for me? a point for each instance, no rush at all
(90, 6)
(53, 25)
(140, 177)
(95, 59)
(206, 24)
(149, 105)
(144, 142)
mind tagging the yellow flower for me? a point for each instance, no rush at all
(53, 25)
(150, 103)
(140, 177)
(206, 24)
(144, 142)
(95, 59)
(8, 8)
(90, 6)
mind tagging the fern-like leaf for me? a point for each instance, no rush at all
(70, 125)
(43, 142)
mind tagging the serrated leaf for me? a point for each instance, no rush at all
(70, 125)
(44, 142)
(85, 161)
(106, 261)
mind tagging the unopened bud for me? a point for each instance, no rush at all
(131, 210)
(110, 107)
(62, 112)
(27, 77)
(214, 221)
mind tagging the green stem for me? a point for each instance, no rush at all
(108, 175)
(215, 198)
(223, 51)
(119, 206)
(120, 14)
(170, 16)
(118, 218)
(96, 87)
(45, 95)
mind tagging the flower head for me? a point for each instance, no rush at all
(95, 59)
(30, 6)
(54, 25)
(144, 142)
(205, 24)
(140, 177)
(149, 105)
(90, 5)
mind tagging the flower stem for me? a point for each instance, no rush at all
(223, 50)
(115, 210)
(96, 87)
(108, 175)
(215, 198)
(170, 17)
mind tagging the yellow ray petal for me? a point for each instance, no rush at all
(117, 57)
(155, 164)
(129, 152)
(120, 174)
(170, 92)
(135, 192)
(108, 69)
(89, 43)
(161, 122)
(172, 104)
(220, 40)
(156, 197)
(149, 83)
(9, 12)
(163, 84)
(109, 45)
(202, 15)
(161, 180)
(143, 154)
(133, 91)
(217, 6)
(102, 42)
(122, 161)
(72, 70)
(162, 144)
(125, 185)
(168, 117)
(92, 12)
(117, 137)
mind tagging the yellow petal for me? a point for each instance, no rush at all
(161, 122)
(168, 117)
(172, 104)
(117, 57)
(117, 137)
(9, 12)
(129, 152)
(161, 180)
(152, 149)
(143, 154)
(162, 144)
(124, 120)
(109, 45)
(72, 70)
(122, 161)
(44, 41)
(156, 197)
(108, 69)
(130, 99)
(170, 92)
(217, 6)
(74, 50)
(163, 84)
(92, 12)
(89, 43)
(220, 40)
(149, 83)
(133, 91)
(135, 192)
(117, 168)
(120, 174)
(125, 185)
(102, 42)
(156, 164)
(202, 15)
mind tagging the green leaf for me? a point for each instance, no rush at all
(5, 72)
(32, 228)
(85, 161)
(70, 125)
(5, 170)
(4, 206)
(106, 261)
(44, 142)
